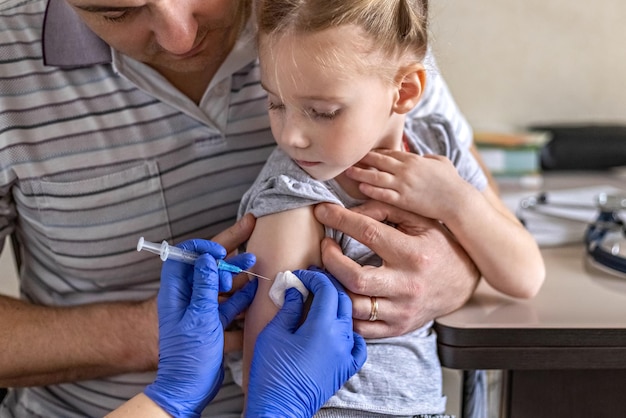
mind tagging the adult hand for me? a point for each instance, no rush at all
(191, 322)
(237, 234)
(425, 273)
(296, 368)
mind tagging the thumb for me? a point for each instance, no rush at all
(359, 351)
(288, 318)
(237, 303)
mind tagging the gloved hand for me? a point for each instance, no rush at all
(191, 333)
(296, 368)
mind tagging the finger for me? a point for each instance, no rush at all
(332, 278)
(237, 303)
(325, 299)
(344, 308)
(203, 246)
(381, 192)
(359, 351)
(375, 329)
(381, 161)
(237, 234)
(244, 261)
(176, 285)
(353, 277)
(362, 306)
(205, 285)
(383, 239)
(384, 212)
(289, 316)
(376, 177)
(385, 159)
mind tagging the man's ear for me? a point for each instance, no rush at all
(410, 81)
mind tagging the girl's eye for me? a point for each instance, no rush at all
(275, 106)
(325, 115)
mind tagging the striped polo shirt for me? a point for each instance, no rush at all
(96, 150)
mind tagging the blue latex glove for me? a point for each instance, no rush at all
(297, 368)
(191, 328)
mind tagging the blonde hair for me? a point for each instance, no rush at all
(395, 27)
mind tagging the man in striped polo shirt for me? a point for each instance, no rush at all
(129, 118)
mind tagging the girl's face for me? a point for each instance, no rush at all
(324, 114)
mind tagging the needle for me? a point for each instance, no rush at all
(174, 253)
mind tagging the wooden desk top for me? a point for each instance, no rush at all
(578, 317)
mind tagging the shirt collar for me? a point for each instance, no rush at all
(68, 42)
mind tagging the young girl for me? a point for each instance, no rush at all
(341, 76)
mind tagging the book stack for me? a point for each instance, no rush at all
(511, 154)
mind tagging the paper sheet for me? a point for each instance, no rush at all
(546, 223)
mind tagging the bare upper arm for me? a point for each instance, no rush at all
(288, 240)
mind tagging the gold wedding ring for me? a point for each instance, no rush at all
(374, 310)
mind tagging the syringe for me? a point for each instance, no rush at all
(165, 251)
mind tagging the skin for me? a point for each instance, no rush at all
(185, 41)
(140, 406)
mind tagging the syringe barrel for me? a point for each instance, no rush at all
(174, 253)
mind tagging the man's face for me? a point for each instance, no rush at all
(175, 36)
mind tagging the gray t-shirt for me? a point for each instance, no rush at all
(402, 375)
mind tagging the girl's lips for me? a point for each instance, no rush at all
(306, 163)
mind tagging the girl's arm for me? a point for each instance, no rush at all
(503, 250)
(506, 254)
(288, 240)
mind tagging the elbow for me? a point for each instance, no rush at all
(532, 283)
(523, 282)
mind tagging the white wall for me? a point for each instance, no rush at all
(510, 63)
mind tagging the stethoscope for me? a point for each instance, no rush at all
(605, 237)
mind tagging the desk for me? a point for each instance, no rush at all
(564, 351)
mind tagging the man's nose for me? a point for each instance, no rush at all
(176, 29)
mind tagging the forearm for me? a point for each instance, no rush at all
(139, 406)
(44, 345)
(504, 252)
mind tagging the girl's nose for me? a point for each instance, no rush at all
(292, 134)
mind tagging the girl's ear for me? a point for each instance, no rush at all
(410, 81)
